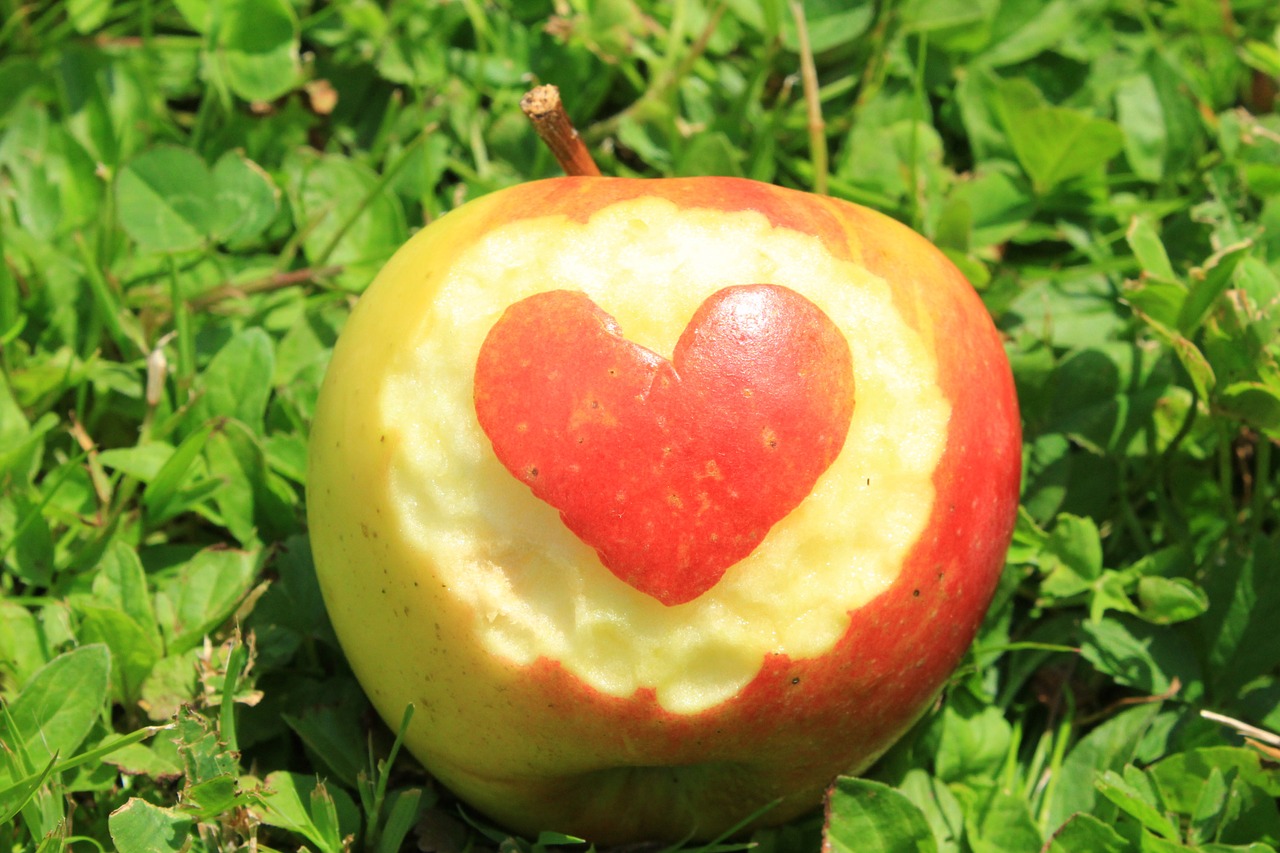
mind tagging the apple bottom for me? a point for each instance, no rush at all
(616, 804)
(565, 758)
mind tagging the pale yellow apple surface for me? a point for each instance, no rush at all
(450, 535)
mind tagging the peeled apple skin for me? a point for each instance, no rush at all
(538, 743)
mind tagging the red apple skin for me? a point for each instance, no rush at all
(537, 749)
(759, 391)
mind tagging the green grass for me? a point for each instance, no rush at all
(187, 215)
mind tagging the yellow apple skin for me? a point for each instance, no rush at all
(535, 747)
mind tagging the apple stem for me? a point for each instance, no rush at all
(543, 107)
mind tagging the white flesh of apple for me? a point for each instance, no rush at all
(532, 587)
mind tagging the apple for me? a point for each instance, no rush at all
(664, 502)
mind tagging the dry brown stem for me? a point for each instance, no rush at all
(543, 107)
(817, 127)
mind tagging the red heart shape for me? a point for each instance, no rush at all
(672, 470)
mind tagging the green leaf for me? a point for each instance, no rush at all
(1141, 117)
(1182, 777)
(21, 646)
(235, 459)
(1255, 403)
(16, 797)
(900, 160)
(195, 12)
(999, 205)
(59, 706)
(1211, 808)
(830, 24)
(21, 441)
(253, 502)
(140, 827)
(156, 761)
(258, 47)
(121, 583)
(293, 601)
(163, 497)
(975, 739)
(18, 74)
(939, 805)
(1006, 824)
(870, 817)
(164, 198)
(237, 382)
(1110, 746)
(1150, 842)
(546, 839)
(201, 594)
(1139, 655)
(30, 545)
(1054, 144)
(1262, 57)
(324, 815)
(1030, 31)
(1070, 314)
(334, 733)
(170, 684)
(1164, 601)
(142, 462)
(1137, 800)
(350, 218)
(88, 15)
(302, 804)
(107, 747)
(1160, 300)
(1209, 284)
(246, 200)
(1084, 833)
(710, 154)
(212, 797)
(1073, 557)
(404, 809)
(940, 15)
(1238, 630)
(134, 648)
(1144, 239)
(1190, 355)
(204, 754)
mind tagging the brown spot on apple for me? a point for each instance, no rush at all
(756, 363)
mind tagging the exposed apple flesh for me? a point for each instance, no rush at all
(550, 694)
(673, 470)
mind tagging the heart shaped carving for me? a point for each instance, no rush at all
(673, 470)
